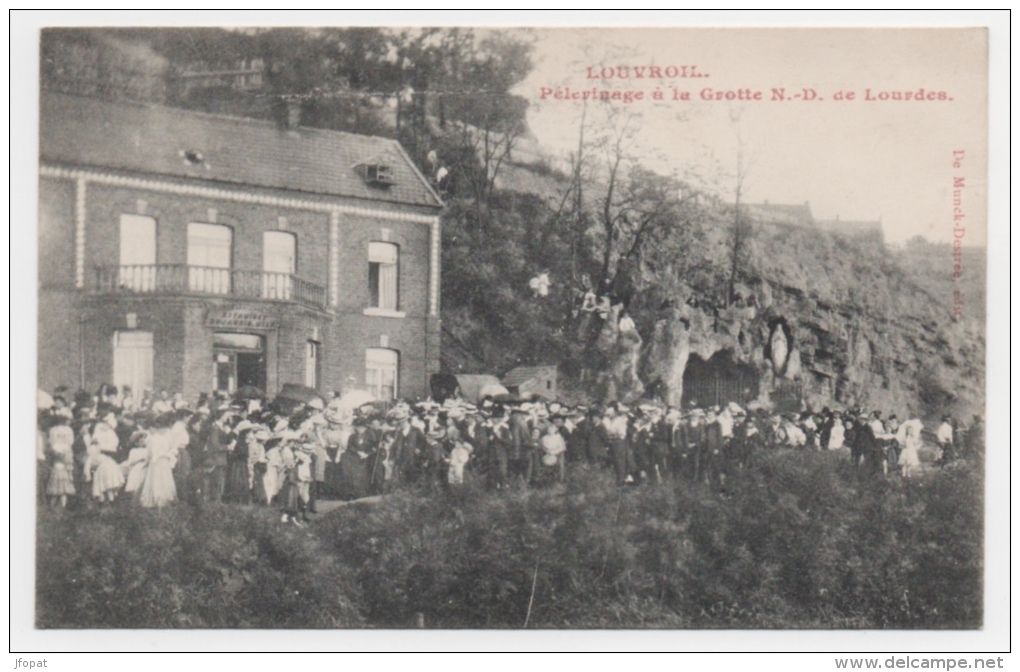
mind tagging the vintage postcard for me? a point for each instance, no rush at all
(511, 328)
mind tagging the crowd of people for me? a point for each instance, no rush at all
(160, 449)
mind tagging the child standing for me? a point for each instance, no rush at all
(459, 456)
(303, 466)
(61, 482)
(290, 493)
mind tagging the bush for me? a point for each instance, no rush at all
(799, 540)
(227, 568)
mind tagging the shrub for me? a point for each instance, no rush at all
(799, 540)
(228, 568)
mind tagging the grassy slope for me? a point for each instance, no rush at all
(798, 541)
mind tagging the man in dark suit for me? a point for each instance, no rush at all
(712, 454)
(500, 449)
(522, 445)
(409, 449)
(214, 463)
(474, 432)
(696, 444)
(680, 458)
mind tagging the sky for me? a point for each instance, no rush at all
(860, 159)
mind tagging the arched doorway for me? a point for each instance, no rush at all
(719, 380)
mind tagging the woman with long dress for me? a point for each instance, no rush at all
(273, 478)
(354, 464)
(60, 483)
(238, 488)
(134, 469)
(180, 438)
(100, 468)
(909, 437)
(257, 466)
(335, 438)
(158, 488)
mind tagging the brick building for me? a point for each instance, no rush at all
(190, 252)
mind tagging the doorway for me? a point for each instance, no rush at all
(719, 380)
(239, 361)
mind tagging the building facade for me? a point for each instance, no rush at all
(189, 252)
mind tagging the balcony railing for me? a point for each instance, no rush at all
(204, 280)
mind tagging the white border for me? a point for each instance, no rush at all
(995, 636)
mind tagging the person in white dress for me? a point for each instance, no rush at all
(158, 487)
(909, 437)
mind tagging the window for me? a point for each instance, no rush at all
(312, 364)
(279, 263)
(378, 173)
(382, 274)
(137, 253)
(381, 373)
(209, 251)
(132, 360)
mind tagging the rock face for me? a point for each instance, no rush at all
(889, 345)
(619, 347)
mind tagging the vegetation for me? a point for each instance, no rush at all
(797, 541)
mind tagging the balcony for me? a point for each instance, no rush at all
(181, 279)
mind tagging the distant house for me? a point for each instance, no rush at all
(851, 227)
(529, 381)
(195, 252)
(801, 215)
(780, 213)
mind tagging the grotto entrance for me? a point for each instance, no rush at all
(719, 380)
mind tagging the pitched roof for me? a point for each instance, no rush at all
(153, 139)
(850, 226)
(781, 212)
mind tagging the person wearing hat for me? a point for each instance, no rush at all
(679, 459)
(553, 449)
(712, 458)
(615, 424)
(215, 454)
(522, 445)
(641, 438)
(837, 432)
(596, 442)
(500, 449)
(180, 440)
(660, 446)
(257, 466)
(354, 464)
(944, 439)
(158, 488)
(474, 432)
(409, 449)
(237, 485)
(295, 463)
(381, 461)
(745, 437)
(859, 437)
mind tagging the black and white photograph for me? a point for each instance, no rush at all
(373, 327)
